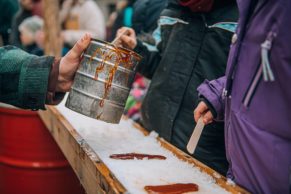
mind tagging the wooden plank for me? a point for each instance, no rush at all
(93, 174)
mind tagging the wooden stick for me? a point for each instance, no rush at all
(118, 37)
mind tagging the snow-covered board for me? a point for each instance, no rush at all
(87, 143)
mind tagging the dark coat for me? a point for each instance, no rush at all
(33, 49)
(191, 50)
(146, 13)
(8, 9)
(17, 20)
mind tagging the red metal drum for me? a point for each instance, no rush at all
(30, 160)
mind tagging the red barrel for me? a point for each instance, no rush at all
(30, 160)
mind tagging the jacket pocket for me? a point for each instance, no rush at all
(264, 70)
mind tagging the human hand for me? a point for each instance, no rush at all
(203, 110)
(70, 63)
(127, 38)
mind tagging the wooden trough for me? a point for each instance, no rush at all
(93, 174)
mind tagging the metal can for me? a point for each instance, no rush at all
(103, 81)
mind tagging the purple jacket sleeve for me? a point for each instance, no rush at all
(212, 92)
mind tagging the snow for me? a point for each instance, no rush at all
(106, 139)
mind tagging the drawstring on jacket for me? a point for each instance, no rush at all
(265, 48)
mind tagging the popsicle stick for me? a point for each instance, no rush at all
(192, 144)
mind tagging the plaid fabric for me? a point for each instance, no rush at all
(23, 78)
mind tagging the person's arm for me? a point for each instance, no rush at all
(212, 104)
(28, 81)
(151, 58)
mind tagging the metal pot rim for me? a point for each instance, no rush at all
(122, 48)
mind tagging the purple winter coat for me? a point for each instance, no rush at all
(257, 109)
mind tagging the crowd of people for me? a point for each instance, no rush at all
(25, 30)
(226, 60)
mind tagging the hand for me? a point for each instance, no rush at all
(128, 39)
(203, 110)
(70, 63)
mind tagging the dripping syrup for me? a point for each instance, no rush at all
(107, 54)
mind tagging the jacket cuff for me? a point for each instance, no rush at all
(212, 97)
(139, 47)
(209, 105)
(53, 97)
(33, 82)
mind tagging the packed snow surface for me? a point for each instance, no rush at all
(106, 139)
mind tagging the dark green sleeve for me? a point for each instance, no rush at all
(23, 78)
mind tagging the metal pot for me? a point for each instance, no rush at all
(88, 94)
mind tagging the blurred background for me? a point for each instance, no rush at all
(52, 27)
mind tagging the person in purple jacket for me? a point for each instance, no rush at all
(254, 98)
